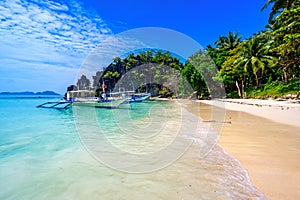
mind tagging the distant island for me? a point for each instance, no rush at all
(30, 93)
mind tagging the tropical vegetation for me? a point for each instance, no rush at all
(264, 65)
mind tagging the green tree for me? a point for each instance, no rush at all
(155, 67)
(229, 42)
(207, 81)
(218, 56)
(223, 47)
(231, 73)
(286, 45)
(255, 56)
(195, 80)
(278, 6)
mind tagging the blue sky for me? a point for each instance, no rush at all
(44, 43)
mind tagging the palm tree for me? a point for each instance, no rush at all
(255, 56)
(286, 45)
(229, 42)
(279, 6)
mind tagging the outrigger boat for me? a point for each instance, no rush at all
(101, 104)
(131, 96)
(83, 98)
(60, 105)
(97, 104)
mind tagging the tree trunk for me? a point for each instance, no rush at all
(286, 77)
(243, 91)
(256, 79)
(238, 88)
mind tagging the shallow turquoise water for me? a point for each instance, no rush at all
(31, 140)
(42, 156)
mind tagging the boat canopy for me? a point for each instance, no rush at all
(80, 93)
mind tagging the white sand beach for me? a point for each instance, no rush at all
(264, 135)
(286, 112)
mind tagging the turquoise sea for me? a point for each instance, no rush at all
(140, 151)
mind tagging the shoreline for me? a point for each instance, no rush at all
(267, 145)
(277, 111)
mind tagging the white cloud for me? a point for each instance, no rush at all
(46, 33)
(56, 6)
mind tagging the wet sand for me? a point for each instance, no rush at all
(269, 150)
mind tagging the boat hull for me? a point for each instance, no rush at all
(103, 104)
(138, 99)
